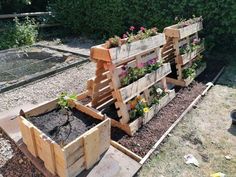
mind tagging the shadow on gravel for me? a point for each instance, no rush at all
(232, 130)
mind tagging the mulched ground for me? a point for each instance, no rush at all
(149, 134)
(18, 165)
(61, 128)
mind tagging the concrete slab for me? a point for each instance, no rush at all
(114, 163)
(8, 121)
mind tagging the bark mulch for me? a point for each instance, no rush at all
(19, 165)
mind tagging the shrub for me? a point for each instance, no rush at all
(112, 17)
(19, 34)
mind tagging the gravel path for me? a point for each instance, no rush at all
(72, 80)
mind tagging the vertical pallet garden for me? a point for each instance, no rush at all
(130, 75)
(183, 48)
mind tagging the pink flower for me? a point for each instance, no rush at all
(132, 28)
(125, 36)
(140, 65)
(142, 28)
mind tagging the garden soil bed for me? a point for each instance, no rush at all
(149, 134)
(62, 130)
(19, 165)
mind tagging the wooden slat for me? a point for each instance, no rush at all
(91, 150)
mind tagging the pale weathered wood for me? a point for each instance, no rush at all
(91, 150)
(174, 31)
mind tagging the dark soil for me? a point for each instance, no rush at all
(62, 130)
(149, 134)
(19, 165)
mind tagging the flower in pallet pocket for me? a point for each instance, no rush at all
(146, 109)
(142, 28)
(140, 65)
(132, 28)
(124, 36)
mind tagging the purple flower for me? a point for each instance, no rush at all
(151, 62)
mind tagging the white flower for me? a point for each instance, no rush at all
(159, 91)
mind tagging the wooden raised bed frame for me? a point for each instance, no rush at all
(70, 160)
(125, 51)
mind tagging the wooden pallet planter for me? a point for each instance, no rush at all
(177, 38)
(187, 57)
(120, 54)
(187, 81)
(126, 93)
(180, 33)
(68, 161)
(133, 126)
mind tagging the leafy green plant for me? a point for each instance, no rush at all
(157, 94)
(189, 72)
(102, 18)
(19, 34)
(63, 100)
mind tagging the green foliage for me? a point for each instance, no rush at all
(20, 6)
(103, 18)
(64, 98)
(19, 34)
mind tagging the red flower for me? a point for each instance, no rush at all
(142, 28)
(125, 36)
(132, 28)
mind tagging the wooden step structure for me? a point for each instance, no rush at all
(106, 87)
(177, 37)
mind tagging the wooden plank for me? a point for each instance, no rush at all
(77, 167)
(91, 150)
(28, 136)
(24, 15)
(105, 135)
(126, 151)
(48, 155)
(42, 108)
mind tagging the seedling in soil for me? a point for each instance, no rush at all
(63, 102)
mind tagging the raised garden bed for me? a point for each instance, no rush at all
(119, 54)
(45, 133)
(21, 66)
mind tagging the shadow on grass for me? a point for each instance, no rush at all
(227, 58)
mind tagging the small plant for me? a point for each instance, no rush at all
(183, 22)
(63, 102)
(113, 42)
(19, 34)
(189, 72)
(138, 107)
(157, 94)
(195, 44)
(130, 36)
(130, 75)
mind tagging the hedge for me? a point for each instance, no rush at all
(104, 18)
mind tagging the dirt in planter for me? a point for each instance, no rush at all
(62, 130)
(19, 165)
